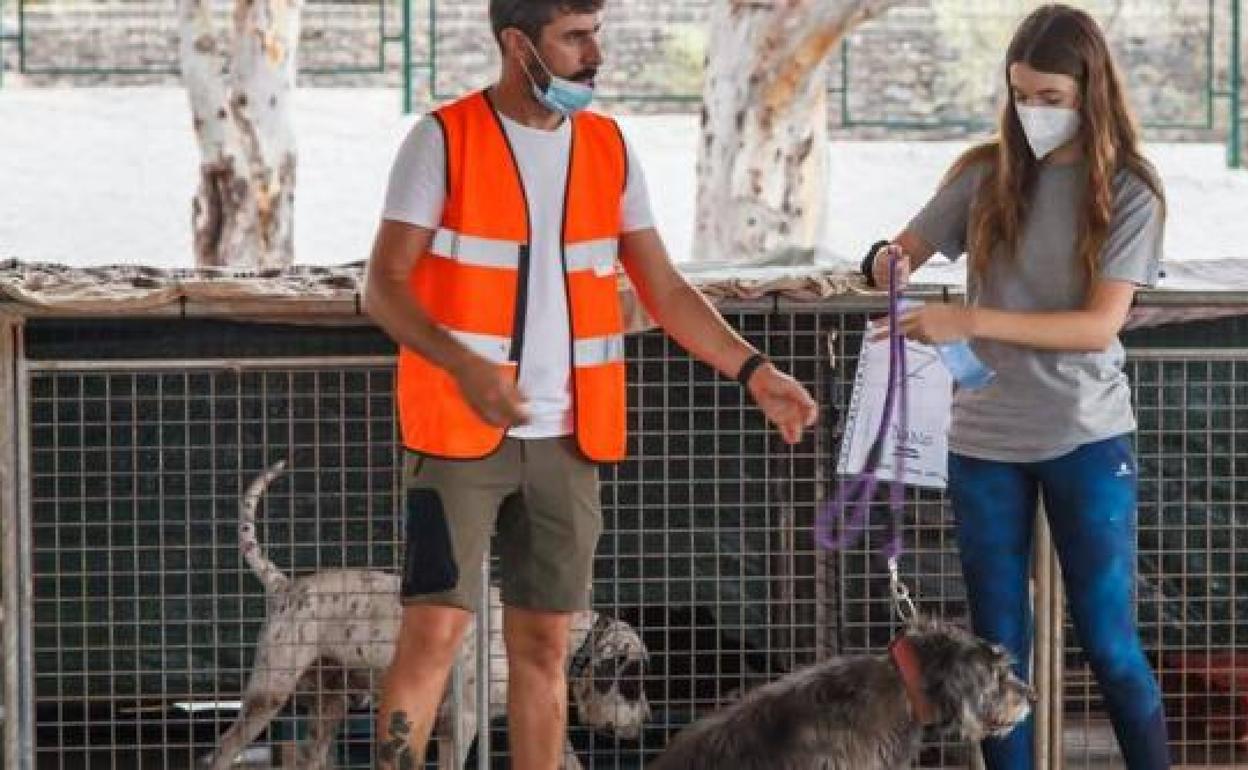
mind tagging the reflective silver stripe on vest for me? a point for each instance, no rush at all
(598, 350)
(598, 256)
(487, 346)
(471, 250)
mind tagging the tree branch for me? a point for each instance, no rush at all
(824, 25)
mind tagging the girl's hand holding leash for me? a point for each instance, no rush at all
(882, 261)
(930, 324)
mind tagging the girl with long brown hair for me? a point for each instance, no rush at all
(1061, 218)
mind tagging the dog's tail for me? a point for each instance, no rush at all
(272, 577)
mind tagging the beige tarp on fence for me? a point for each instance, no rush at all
(49, 289)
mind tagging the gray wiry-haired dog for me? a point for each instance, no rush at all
(332, 634)
(861, 713)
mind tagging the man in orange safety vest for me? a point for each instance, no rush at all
(508, 215)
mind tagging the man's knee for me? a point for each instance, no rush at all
(538, 640)
(430, 635)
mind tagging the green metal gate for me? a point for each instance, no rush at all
(140, 37)
(1183, 58)
(1182, 61)
(1188, 50)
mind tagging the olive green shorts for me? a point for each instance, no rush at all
(541, 495)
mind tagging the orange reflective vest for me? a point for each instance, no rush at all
(472, 282)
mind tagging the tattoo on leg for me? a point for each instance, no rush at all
(394, 751)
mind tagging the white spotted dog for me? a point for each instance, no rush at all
(332, 634)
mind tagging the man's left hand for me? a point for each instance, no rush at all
(785, 402)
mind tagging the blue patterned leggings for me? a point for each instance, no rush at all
(1090, 498)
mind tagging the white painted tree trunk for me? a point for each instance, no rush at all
(241, 107)
(763, 155)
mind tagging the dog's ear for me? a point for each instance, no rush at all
(961, 675)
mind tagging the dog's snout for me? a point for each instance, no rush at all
(1033, 697)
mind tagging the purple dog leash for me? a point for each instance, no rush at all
(852, 503)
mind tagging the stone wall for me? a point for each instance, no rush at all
(930, 68)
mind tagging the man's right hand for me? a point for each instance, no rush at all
(490, 391)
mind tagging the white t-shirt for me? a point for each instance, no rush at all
(416, 195)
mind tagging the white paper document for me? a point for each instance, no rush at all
(925, 445)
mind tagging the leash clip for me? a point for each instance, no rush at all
(902, 602)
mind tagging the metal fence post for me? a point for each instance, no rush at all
(21, 35)
(433, 51)
(1057, 663)
(15, 521)
(1235, 147)
(407, 57)
(1041, 648)
(457, 700)
(483, 667)
(460, 740)
(1047, 648)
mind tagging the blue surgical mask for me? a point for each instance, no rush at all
(561, 95)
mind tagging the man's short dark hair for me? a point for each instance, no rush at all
(529, 16)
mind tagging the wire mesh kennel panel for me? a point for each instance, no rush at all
(860, 616)
(145, 616)
(1191, 402)
(1192, 407)
(709, 549)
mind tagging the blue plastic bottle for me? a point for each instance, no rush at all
(967, 370)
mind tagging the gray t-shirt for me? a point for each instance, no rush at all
(1044, 403)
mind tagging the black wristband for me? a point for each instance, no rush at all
(868, 262)
(747, 368)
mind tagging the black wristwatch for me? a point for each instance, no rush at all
(749, 367)
(868, 262)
